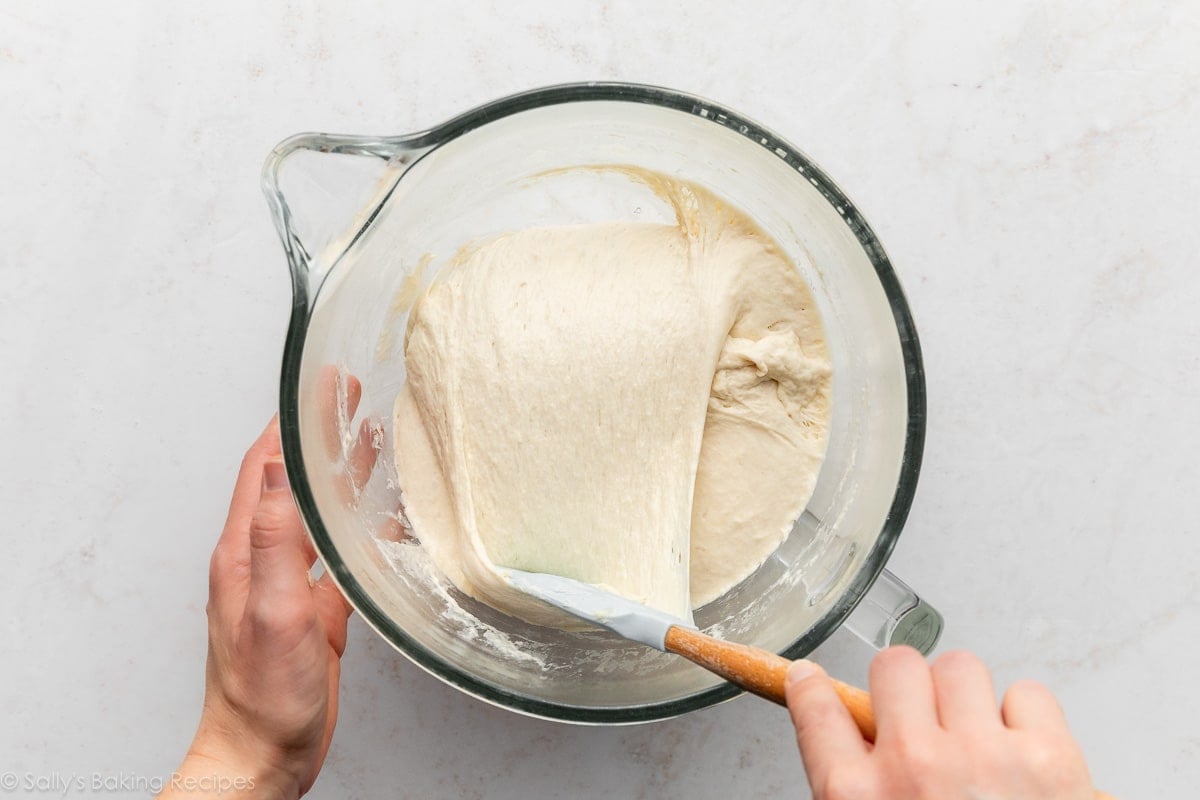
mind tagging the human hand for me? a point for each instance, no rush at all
(275, 639)
(940, 735)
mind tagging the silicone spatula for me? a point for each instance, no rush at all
(755, 670)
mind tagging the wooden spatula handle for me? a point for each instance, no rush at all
(764, 674)
(760, 672)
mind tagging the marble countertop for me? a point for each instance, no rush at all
(1032, 169)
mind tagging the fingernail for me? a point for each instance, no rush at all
(274, 476)
(799, 670)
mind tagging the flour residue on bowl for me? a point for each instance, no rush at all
(593, 652)
(414, 567)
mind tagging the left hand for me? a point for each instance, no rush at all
(275, 640)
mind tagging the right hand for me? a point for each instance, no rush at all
(940, 735)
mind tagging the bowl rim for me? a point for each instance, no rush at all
(805, 169)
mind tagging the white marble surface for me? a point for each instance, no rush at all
(1032, 169)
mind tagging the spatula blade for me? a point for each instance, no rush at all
(634, 621)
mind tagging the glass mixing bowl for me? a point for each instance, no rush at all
(365, 221)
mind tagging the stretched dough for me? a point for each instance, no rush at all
(640, 406)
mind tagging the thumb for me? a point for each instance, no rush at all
(278, 561)
(828, 738)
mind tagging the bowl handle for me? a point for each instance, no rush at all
(324, 191)
(892, 613)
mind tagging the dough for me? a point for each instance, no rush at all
(639, 406)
